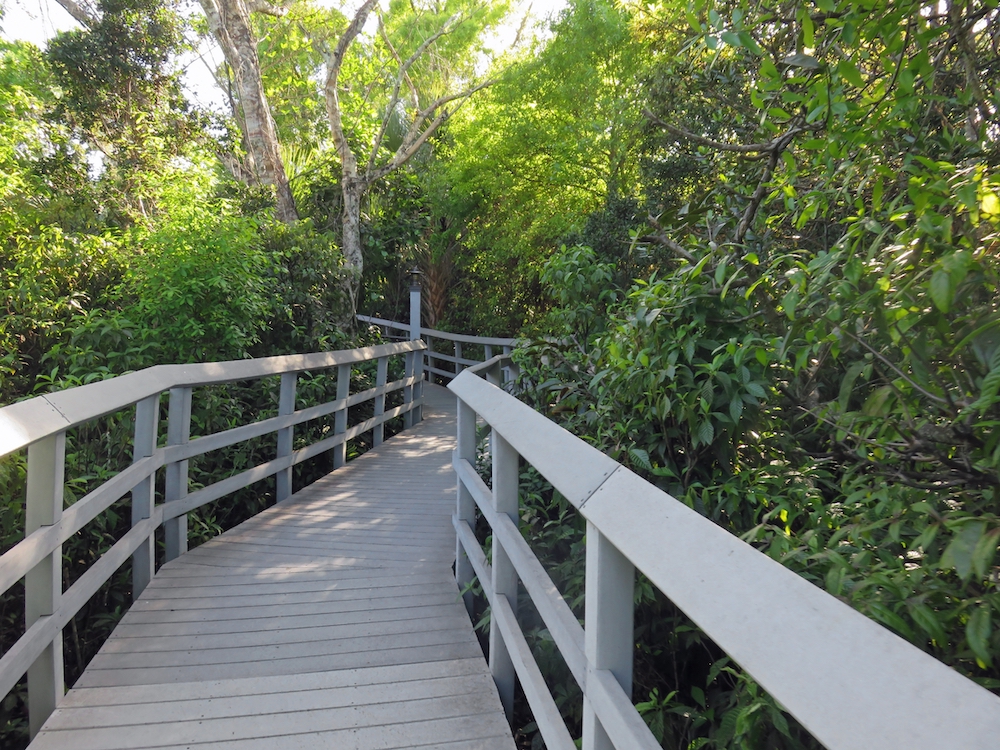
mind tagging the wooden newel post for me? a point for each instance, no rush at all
(340, 418)
(458, 355)
(381, 376)
(466, 448)
(505, 500)
(147, 416)
(286, 405)
(608, 631)
(176, 485)
(43, 583)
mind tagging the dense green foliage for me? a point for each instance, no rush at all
(752, 250)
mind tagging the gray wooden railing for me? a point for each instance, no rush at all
(40, 425)
(853, 684)
(465, 350)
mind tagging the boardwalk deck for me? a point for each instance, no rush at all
(331, 620)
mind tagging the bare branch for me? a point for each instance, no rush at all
(334, 62)
(268, 9)
(83, 13)
(402, 74)
(667, 242)
(884, 360)
(415, 137)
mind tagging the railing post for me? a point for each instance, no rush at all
(414, 305)
(381, 376)
(493, 375)
(176, 485)
(43, 583)
(458, 355)
(608, 629)
(147, 415)
(505, 374)
(505, 500)
(286, 405)
(409, 369)
(340, 418)
(488, 350)
(466, 511)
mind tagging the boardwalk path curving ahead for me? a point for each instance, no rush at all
(329, 621)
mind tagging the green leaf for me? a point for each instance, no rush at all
(982, 556)
(959, 552)
(847, 384)
(736, 408)
(941, 290)
(801, 60)
(706, 433)
(733, 40)
(808, 29)
(699, 695)
(641, 458)
(927, 619)
(850, 73)
(977, 632)
(887, 617)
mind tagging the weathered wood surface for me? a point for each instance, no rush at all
(331, 620)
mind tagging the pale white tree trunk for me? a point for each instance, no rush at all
(229, 22)
(356, 180)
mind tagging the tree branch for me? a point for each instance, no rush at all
(666, 241)
(82, 13)
(334, 62)
(415, 137)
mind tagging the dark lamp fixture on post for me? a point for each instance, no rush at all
(415, 273)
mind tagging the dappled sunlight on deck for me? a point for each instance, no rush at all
(331, 620)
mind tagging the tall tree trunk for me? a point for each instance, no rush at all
(229, 21)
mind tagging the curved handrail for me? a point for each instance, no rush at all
(27, 421)
(851, 682)
(40, 425)
(446, 335)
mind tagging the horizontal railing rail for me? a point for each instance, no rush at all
(852, 683)
(40, 425)
(434, 355)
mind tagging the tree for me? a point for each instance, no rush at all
(121, 94)
(428, 73)
(231, 25)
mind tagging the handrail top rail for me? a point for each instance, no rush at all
(815, 654)
(461, 338)
(29, 421)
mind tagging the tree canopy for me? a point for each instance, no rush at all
(751, 249)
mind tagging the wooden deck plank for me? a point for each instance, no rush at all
(331, 620)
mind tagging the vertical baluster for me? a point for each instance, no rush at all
(43, 583)
(410, 367)
(147, 415)
(465, 448)
(286, 405)
(418, 387)
(505, 500)
(176, 486)
(428, 357)
(608, 640)
(340, 418)
(458, 355)
(381, 376)
(489, 352)
(505, 375)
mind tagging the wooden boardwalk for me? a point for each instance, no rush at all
(331, 620)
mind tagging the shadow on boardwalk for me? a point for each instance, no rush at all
(331, 620)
